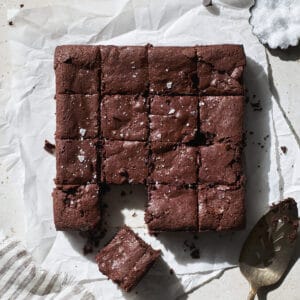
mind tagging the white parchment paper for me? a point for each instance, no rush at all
(272, 175)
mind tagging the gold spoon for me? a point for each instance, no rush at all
(269, 247)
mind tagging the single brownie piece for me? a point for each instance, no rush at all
(124, 117)
(76, 207)
(221, 118)
(220, 163)
(221, 207)
(173, 164)
(220, 69)
(76, 161)
(77, 69)
(77, 116)
(124, 162)
(126, 259)
(173, 70)
(171, 208)
(71, 79)
(173, 119)
(124, 69)
(83, 56)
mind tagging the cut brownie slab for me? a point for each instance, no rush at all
(76, 161)
(126, 259)
(221, 207)
(173, 70)
(173, 164)
(76, 207)
(77, 69)
(77, 116)
(124, 69)
(220, 163)
(124, 162)
(124, 117)
(221, 118)
(171, 208)
(173, 119)
(220, 69)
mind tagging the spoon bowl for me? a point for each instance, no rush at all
(268, 249)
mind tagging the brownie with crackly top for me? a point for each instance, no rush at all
(76, 207)
(221, 207)
(173, 70)
(124, 117)
(124, 162)
(171, 208)
(220, 69)
(126, 259)
(173, 119)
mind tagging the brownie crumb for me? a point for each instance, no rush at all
(284, 149)
(171, 272)
(21, 5)
(195, 253)
(134, 214)
(123, 193)
(256, 106)
(49, 147)
(10, 23)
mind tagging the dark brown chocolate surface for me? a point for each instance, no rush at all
(76, 161)
(220, 69)
(124, 69)
(76, 207)
(171, 208)
(220, 163)
(126, 259)
(82, 56)
(173, 164)
(77, 116)
(221, 207)
(173, 70)
(124, 162)
(71, 79)
(221, 118)
(173, 119)
(162, 115)
(124, 117)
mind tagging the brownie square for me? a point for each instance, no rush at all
(221, 118)
(173, 164)
(124, 69)
(173, 119)
(124, 162)
(126, 259)
(221, 207)
(76, 161)
(71, 79)
(220, 163)
(77, 69)
(77, 116)
(173, 70)
(220, 69)
(171, 208)
(76, 207)
(82, 56)
(124, 117)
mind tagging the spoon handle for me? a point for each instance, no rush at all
(252, 293)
